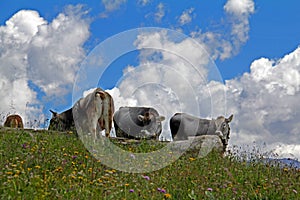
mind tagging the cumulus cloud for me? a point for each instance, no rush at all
(38, 55)
(174, 76)
(186, 16)
(265, 103)
(56, 50)
(168, 77)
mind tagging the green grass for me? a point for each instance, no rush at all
(51, 165)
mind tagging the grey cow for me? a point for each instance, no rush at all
(183, 125)
(138, 122)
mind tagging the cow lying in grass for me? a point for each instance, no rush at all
(183, 125)
(14, 121)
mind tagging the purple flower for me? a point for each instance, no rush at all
(209, 189)
(161, 190)
(25, 146)
(146, 177)
(131, 190)
(132, 156)
(74, 157)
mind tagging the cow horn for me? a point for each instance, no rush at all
(229, 119)
(54, 113)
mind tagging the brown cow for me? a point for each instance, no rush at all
(14, 121)
(94, 113)
(62, 122)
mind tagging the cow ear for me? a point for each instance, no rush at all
(161, 118)
(100, 94)
(141, 118)
(229, 119)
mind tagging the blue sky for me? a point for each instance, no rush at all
(274, 26)
(254, 45)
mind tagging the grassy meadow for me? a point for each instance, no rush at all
(52, 165)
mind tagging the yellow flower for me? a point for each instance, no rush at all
(192, 159)
(37, 167)
(167, 195)
(126, 184)
(9, 173)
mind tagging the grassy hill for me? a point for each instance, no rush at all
(51, 165)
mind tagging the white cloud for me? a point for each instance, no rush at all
(240, 10)
(239, 7)
(56, 50)
(37, 53)
(222, 45)
(265, 102)
(111, 5)
(160, 13)
(186, 16)
(143, 2)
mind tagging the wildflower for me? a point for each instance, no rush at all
(161, 190)
(132, 156)
(9, 173)
(75, 152)
(209, 189)
(146, 177)
(295, 191)
(74, 157)
(131, 190)
(37, 167)
(192, 159)
(126, 184)
(167, 195)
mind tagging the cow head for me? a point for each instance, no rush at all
(61, 122)
(152, 122)
(55, 122)
(223, 129)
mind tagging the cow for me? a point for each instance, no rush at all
(138, 123)
(62, 122)
(14, 121)
(183, 125)
(94, 113)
